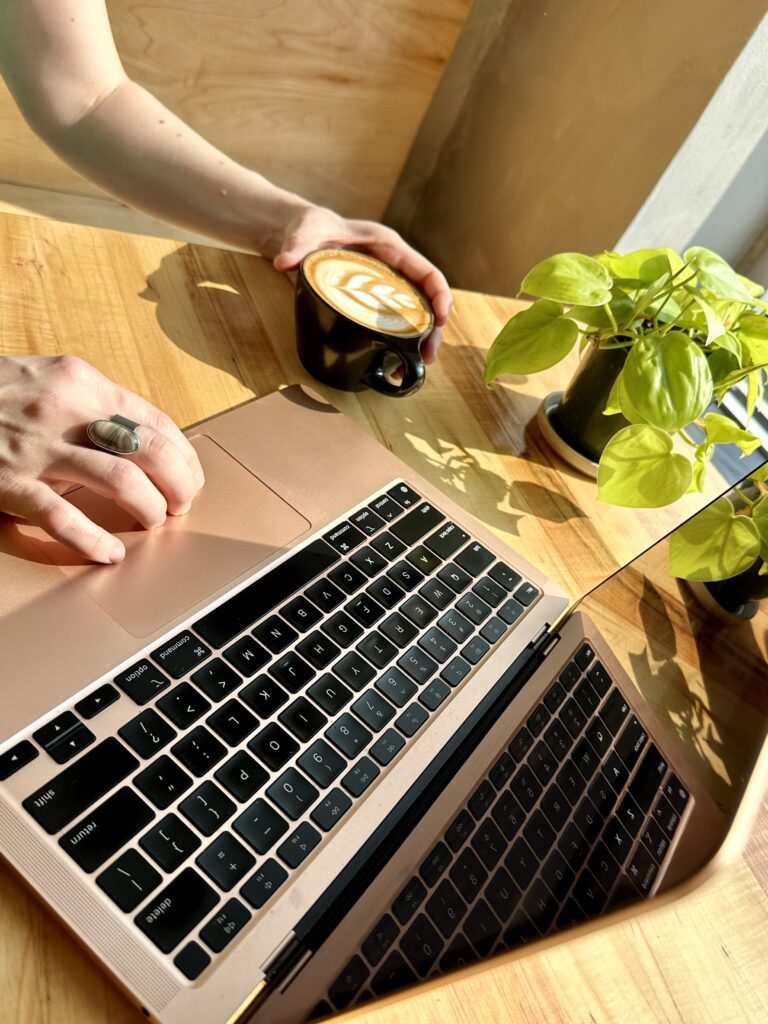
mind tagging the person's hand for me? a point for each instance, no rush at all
(315, 227)
(46, 404)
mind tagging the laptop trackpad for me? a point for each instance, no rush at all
(235, 523)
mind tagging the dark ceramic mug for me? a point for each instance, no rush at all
(357, 320)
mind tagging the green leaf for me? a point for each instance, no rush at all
(667, 379)
(752, 286)
(724, 384)
(730, 343)
(722, 430)
(622, 308)
(641, 266)
(533, 340)
(753, 335)
(628, 411)
(760, 518)
(755, 390)
(612, 405)
(569, 277)
(701, 460)
(715, 326)
(714, 544)
(638, 469)
(760, 475)
(717, 276)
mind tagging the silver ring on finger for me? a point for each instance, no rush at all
(116, 435)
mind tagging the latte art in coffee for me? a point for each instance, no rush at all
(368, 291)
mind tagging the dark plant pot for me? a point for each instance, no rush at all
(736, 597)
(573, 422)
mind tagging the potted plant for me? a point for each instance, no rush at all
(723, 551)
(662, 336)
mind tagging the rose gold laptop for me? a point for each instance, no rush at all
(322, 738)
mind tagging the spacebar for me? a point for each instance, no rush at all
(241, 611)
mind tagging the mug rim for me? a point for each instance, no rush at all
(416, 336)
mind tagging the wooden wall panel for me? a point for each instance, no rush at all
(322, 96)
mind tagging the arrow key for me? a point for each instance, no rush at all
(95, 702)
(16, 757)
(72, 743)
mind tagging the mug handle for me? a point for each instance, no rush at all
(413, 374)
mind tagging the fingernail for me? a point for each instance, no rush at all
(117, 554)
(183, 511)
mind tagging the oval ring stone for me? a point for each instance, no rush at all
(113, 437)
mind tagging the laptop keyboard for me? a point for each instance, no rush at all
(251, 733)
(575, 816)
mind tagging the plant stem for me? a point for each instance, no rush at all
(609, 314)
(688, 440)
(745, 497)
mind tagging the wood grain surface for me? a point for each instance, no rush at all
(322, 98)
(198, 330)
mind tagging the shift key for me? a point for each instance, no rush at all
(175, 910)
(417, 523)
(78, 787)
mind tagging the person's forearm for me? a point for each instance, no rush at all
(140, 152)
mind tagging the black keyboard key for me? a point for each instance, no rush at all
(147, 733)
(129, 880)
(447, 540)
(526, 594)
(169, 842)
(555, 807)
(299, 844)
(475, 609)
(192, 960)
(571, 782)
(260, 826)
(246, 655)
(199, 750)
(241, 776)
(493, 630)
(406, 576)
(142, 681)
(460, 829)
(348, 983)
(603, 866)
(388, 546)
(543, 762)
(588, 819)
(378, 650)
(615, 771)
(502, 894)
(417, 523)
(207, 808)
(348, 577)
(666, 816)
(226, 861)
(420, 612)
(573, 846)
(418, 665)
(94, 839)
(71, 743)
(367, 521)
(392, 975)
(264, 696)
(264, 883)
(539, 834)
(602, 795)
(510, 611)
(176, 909)
(216, 679)
(599, 737)
(260, 597)
(330, 694)
(435, 864)
(642, 869)
(508, 814)
(325, 595)
(482, 928)
(468, 874)
(411, 720)
(372, 709)
(387, 508)
(403, 494)
(183, 705)
(589, 894)
(162, 781)
(557, 875)
(365, 610)
(301, 614)
(521, 863)
(587, 698)
(90, 706)
(341, 629)
(331, 809)
(446, 908)
(273, 746)
(475, 649)
(354, 670)
(344, 538)
(180, 654)
(398, 629)
(349, 736)
(227, 922)
(456, 625)
(437, 594)
(632, 742)
(558, 739)
(454, 577)
(570, 675)
(653, 838)
(376, 944)
(599, 678)
(520, 930)
(292, 671)
(385, 592)
(322, 764)
(422, 945)
(481, 800)
(16, 757)
(423, 559)
(648, 778)
(676, 793)
(275, 634)
(526, 787)
(617, 840)
(488, 843)
(537, 719)
(540, 906)
(584, 656)
(521, 744)
(360, 776)
(456, 670)
(459, 954)
(507, 577)
(502, 771)
(490, 591)
(573, 717)
(554, 697)
(232, 722)
(395, 685)
(410, 898)
(474, 559)
(302, 719)
(317, 649)
(585, 758)
(630, 815)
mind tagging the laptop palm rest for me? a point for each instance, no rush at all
(235, 523)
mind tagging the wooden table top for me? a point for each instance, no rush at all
(197, 330)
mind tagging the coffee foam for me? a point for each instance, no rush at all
(368, 291)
